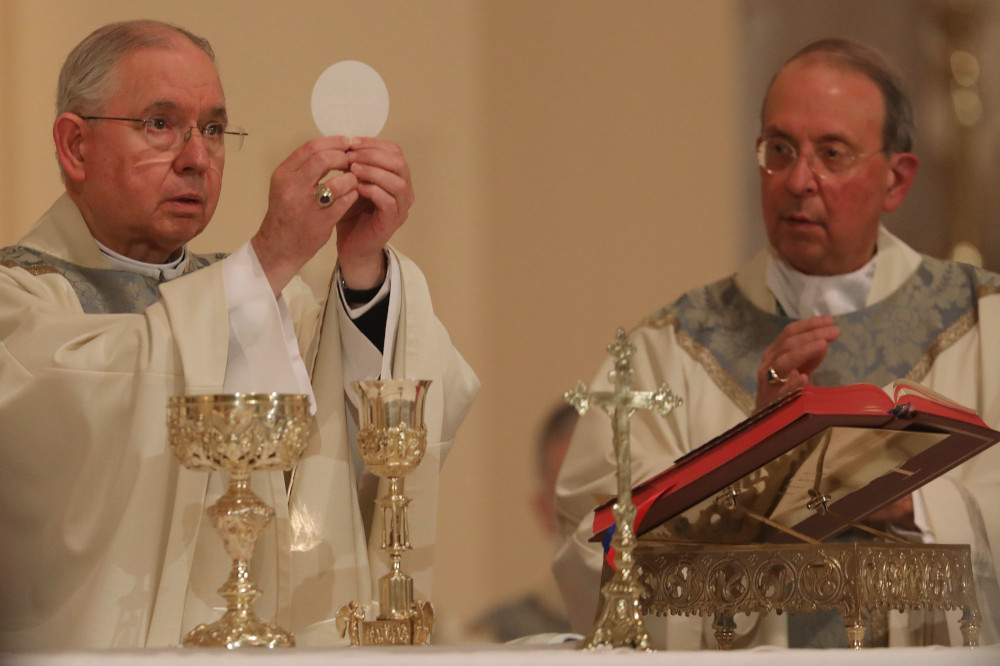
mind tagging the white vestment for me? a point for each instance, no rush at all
(103, 541)
(933, 322)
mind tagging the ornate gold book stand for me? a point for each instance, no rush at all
(760, 544)
(237, 434)
(392, 439)
(856, 579)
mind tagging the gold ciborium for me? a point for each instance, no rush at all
(237, 434)
(392, 439)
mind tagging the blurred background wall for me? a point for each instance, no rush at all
(577, 164)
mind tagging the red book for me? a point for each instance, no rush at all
(855, 448)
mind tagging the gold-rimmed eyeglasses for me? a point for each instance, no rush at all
(829, 158)
(166, 134)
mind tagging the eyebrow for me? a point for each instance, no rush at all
(771, 132)
(170, 106)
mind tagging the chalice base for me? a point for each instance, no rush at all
(239, 628)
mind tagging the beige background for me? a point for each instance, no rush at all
(577, 164)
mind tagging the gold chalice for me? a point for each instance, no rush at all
(237, 434)
(392, 439)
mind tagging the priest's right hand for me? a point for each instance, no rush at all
(296, 226)
(793, 357)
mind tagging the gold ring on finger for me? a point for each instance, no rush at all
(323, 195)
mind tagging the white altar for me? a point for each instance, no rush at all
(505, 655)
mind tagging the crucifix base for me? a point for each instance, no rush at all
(620, 623)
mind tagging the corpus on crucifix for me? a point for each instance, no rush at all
(620, 623)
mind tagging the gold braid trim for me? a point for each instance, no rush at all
(984, 290)
(950, 335)
(941, 343)
(37, 269)
(706, 360)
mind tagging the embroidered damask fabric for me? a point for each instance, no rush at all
(898, 337)
(100, 290)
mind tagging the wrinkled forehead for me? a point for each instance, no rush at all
(177, 76)
(814, 66)
(820, 96)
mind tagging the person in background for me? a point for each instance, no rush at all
(539, 611)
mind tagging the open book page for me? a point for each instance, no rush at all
(903, 391)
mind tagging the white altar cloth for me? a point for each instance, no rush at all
(505, 655)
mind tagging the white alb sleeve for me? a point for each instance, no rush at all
(263, 350)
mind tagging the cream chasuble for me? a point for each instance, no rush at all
(102, 542)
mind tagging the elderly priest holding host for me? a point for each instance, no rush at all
(835, 299)
(105, 313)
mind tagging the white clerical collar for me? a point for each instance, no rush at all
(802, 295)
(162, 272)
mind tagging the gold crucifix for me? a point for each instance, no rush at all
(620, 623)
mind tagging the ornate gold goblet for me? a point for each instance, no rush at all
(236, 434)
(392, 439)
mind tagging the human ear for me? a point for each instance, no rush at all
(902, 170)
(68, 134)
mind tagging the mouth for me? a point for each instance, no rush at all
(800, 221)
(186, 201)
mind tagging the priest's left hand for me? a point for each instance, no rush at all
(793, 357)
(386, 194)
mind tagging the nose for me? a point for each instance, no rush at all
(802, 177)
(194, 155)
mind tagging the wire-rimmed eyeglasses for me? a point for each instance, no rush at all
(163, 133)
(776, 154)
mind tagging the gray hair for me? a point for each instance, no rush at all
(897, 124)
(86, 80)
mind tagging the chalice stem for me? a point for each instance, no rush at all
(396, 528)
(395, 588)
(239, 589)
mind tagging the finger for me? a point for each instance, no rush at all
(768, 393)
(383, 201)
(796, 341)
(388, 191)
(390, 159)
(340, 182)
(322, 165)
(795, 381)
(299, 156)
(341, 205)
(359, 143)
(803, 357)
(804, 325)
(792, 337)
(388, 180)
(387, 200)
